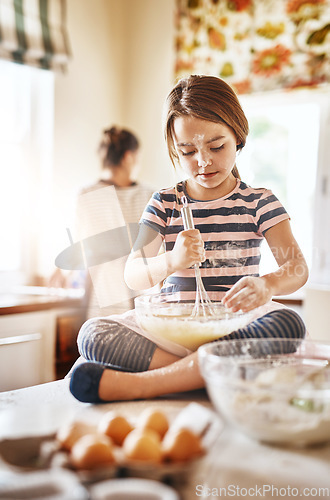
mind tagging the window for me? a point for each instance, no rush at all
(282, 154)
(26, 128)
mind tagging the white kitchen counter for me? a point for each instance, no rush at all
(234, 465)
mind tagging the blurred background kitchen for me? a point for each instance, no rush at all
(115, 62)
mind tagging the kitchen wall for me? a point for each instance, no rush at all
(148, 77)
(120, 72)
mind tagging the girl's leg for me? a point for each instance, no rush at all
(282, 323)
(181, 376)
(105, 341)
(93, 383)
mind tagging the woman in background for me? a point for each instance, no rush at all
(99, 210)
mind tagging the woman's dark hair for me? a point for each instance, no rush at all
(114, 144)
(208, 98)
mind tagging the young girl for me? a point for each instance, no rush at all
(205, 128)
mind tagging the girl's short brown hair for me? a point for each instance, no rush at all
(207, 98)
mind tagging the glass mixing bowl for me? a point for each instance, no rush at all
(273, 390)
(166, 316)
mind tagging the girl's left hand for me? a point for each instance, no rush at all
(247, 294)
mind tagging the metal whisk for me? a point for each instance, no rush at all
(203, 305)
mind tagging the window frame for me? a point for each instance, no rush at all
(320, 244)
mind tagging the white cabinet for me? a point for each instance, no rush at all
(27, 349)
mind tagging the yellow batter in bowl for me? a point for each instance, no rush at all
(166, 317)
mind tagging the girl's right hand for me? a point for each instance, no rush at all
(187, 251)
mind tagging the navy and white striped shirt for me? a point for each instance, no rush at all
(232, 228)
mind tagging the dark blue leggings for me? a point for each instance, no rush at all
(108, 342)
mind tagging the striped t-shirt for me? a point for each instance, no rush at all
(232, 228)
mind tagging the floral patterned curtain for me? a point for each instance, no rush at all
(255, 45)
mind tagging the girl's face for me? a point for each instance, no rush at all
(207, 153)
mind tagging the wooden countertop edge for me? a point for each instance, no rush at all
(40, 306)
(288, 301)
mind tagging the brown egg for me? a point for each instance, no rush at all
(155, 420)
(91, 451)
(70, 432)
(115, 426)
(143, 445)
(181, 445)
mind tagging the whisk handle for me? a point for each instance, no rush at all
(186, 213)
(188, 222)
